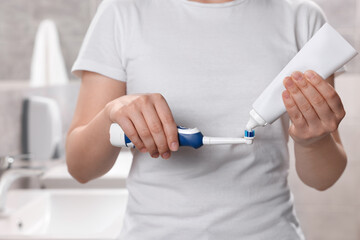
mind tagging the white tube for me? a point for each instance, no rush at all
(325, 53)
(220, 140)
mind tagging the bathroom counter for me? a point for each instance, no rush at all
(58, 176)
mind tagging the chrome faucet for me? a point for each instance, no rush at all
(9, 174)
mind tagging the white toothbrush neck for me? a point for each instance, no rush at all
(220, 140)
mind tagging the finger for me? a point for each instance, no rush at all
(143, 130)
(317, 101)
(293, 111)
(130, 131)
(153, 121)
(327, 91)
(302, 103)
(168, 123)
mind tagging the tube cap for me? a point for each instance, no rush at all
(255, 121)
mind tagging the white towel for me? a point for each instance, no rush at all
(47, 66)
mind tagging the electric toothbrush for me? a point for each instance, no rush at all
(190, 137)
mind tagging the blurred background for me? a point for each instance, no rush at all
(27, 42)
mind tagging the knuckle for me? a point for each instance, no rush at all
(172, 136)
(143, 99)
(305, 107)
(297, 116)
(295, 90)
(332, 126)
(290, 104)
(303, 84)
(132, 135)
(144, 133)
(156, 128)
(163, 147)
(119, 118)
(157, 96)
(117, 114)
(316, 81)
(120, 111)
(342, 114)
(131, 107)
(169, 120)
(138, 143)
(150, 146)
(318, 100)
(332, 95)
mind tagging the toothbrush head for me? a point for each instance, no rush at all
(249, 134)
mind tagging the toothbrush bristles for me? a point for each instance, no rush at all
(249, 134)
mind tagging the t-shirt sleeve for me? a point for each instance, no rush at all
(101, 49)
(309, 19)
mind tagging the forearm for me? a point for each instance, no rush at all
(320, 165)
(89, 153)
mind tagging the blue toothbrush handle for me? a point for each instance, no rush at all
(190, 137)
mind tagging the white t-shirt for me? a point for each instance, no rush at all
(210, 62)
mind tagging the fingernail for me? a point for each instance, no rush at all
(309, 75)
(289, 82)
(297, 76)
(155, 155)
(174, 146)
(165, 155)
(143, 150)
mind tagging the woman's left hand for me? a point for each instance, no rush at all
(313, 105)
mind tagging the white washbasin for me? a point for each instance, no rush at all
(63, 214)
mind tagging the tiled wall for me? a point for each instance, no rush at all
(19, 20)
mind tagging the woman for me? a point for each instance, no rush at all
(150, 65)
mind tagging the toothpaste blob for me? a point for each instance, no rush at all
(326, 52)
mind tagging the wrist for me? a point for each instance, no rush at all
(316, 143)
(107, 112)
(112, 109)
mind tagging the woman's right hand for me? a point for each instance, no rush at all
(148, 122)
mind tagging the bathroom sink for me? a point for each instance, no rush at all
(59, 177)
(63, 214)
